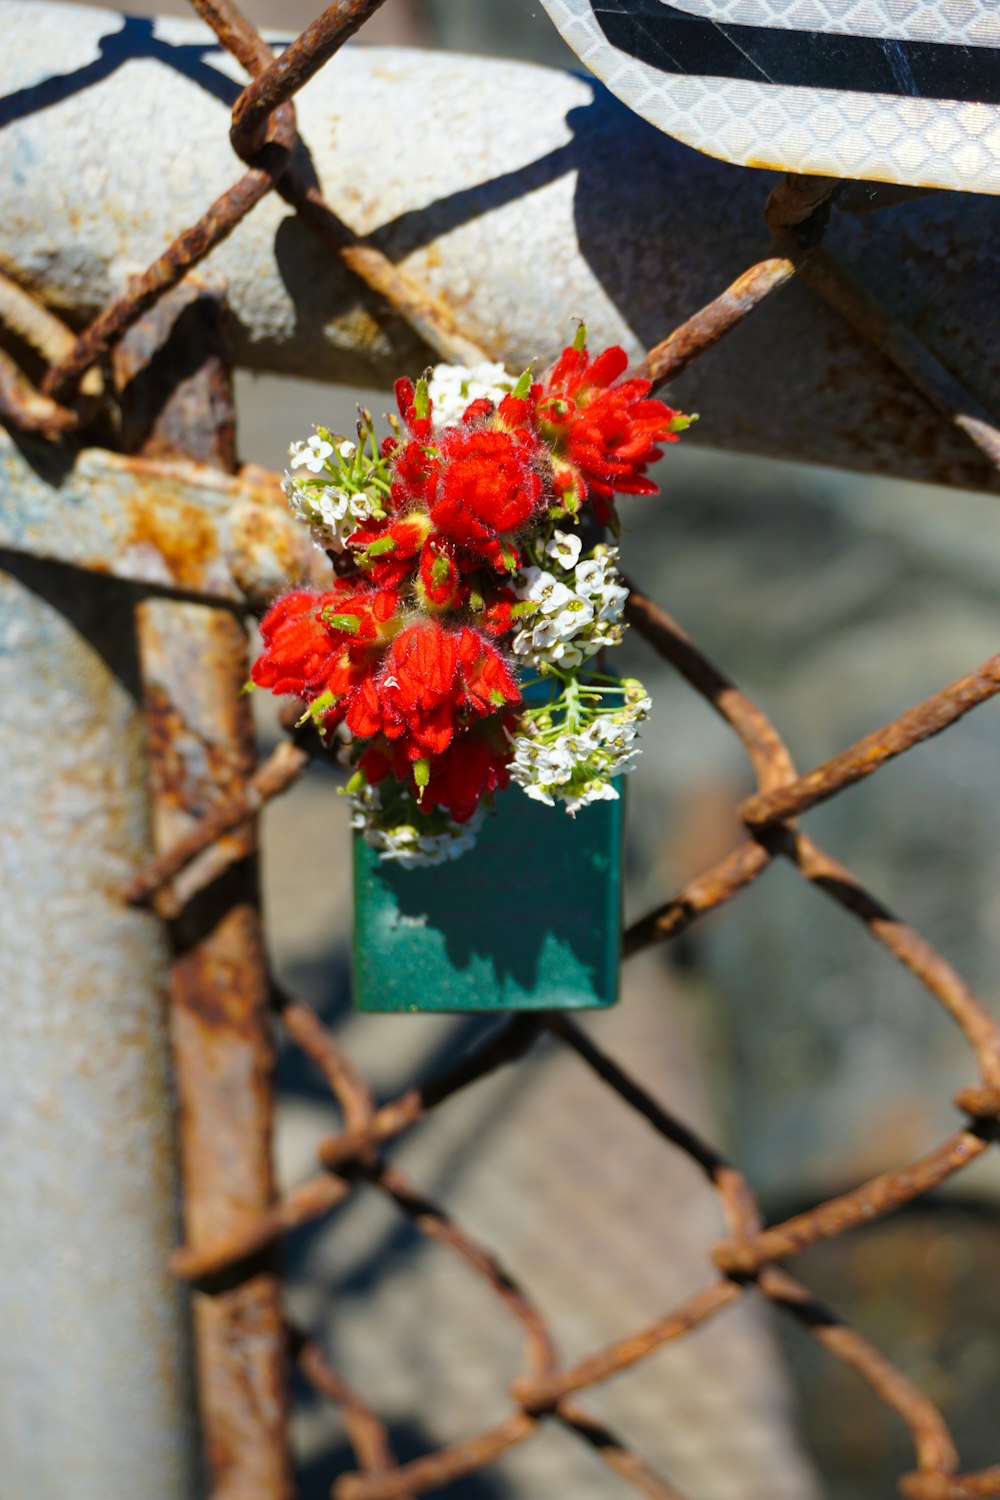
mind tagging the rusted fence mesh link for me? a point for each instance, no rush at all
(227, 1256)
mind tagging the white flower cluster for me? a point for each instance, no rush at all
(578, 607)
(452, 387)
(331, 511)
(396, 836)
(553, 762)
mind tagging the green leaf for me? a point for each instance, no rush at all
(349, 624)
(421, 399)
(569, 504)
(317, 708)
(421, 775)
(523, 388)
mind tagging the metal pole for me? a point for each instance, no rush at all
(549, 201)
(95, 1374)
(94, 1383)
(201, 750)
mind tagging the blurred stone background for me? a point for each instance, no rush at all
(776, 1025)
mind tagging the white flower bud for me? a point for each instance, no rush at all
(410, 844)
(578, 613)
(454, 387)
(564, 548)
(312, 454)
(577, 766)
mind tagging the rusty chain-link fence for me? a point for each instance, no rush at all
(202, 879)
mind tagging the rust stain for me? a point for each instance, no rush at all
(182, 535)
(201, 752)
(212, 982)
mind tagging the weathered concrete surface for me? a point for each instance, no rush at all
(526, 197)
(94, 1382)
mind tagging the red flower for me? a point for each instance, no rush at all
(485, 489)
(363, 714)
(357, 613)
(441, 586)
(387, 550)
(488, 681)
(411, 697)
(516, 413)
(477, 412)
(604, 435)
(321, 643)
(298, 649)
(377, 764)
(414, 467)
(406, 400)
(428, 685)
(405, 650)
(416, 688)
(474, 765)
(497, 617)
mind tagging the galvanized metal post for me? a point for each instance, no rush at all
(555, 202)
(201, 751)
(96, 1388)
(94, 1384)
(194, 663)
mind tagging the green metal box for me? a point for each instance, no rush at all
(530, 919)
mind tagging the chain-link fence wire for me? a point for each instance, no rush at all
(749, 1262)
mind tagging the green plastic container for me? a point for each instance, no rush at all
(530, 919)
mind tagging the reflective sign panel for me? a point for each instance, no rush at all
(903, 91)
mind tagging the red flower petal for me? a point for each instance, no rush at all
(486, 486)
(604, 435)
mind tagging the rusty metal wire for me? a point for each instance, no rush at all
(264, 136)
(37, 327)
(275, 776)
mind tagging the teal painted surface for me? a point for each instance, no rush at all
(530, 919)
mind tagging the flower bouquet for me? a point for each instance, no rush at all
(455, 651)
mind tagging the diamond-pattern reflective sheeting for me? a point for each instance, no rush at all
(845, 131)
